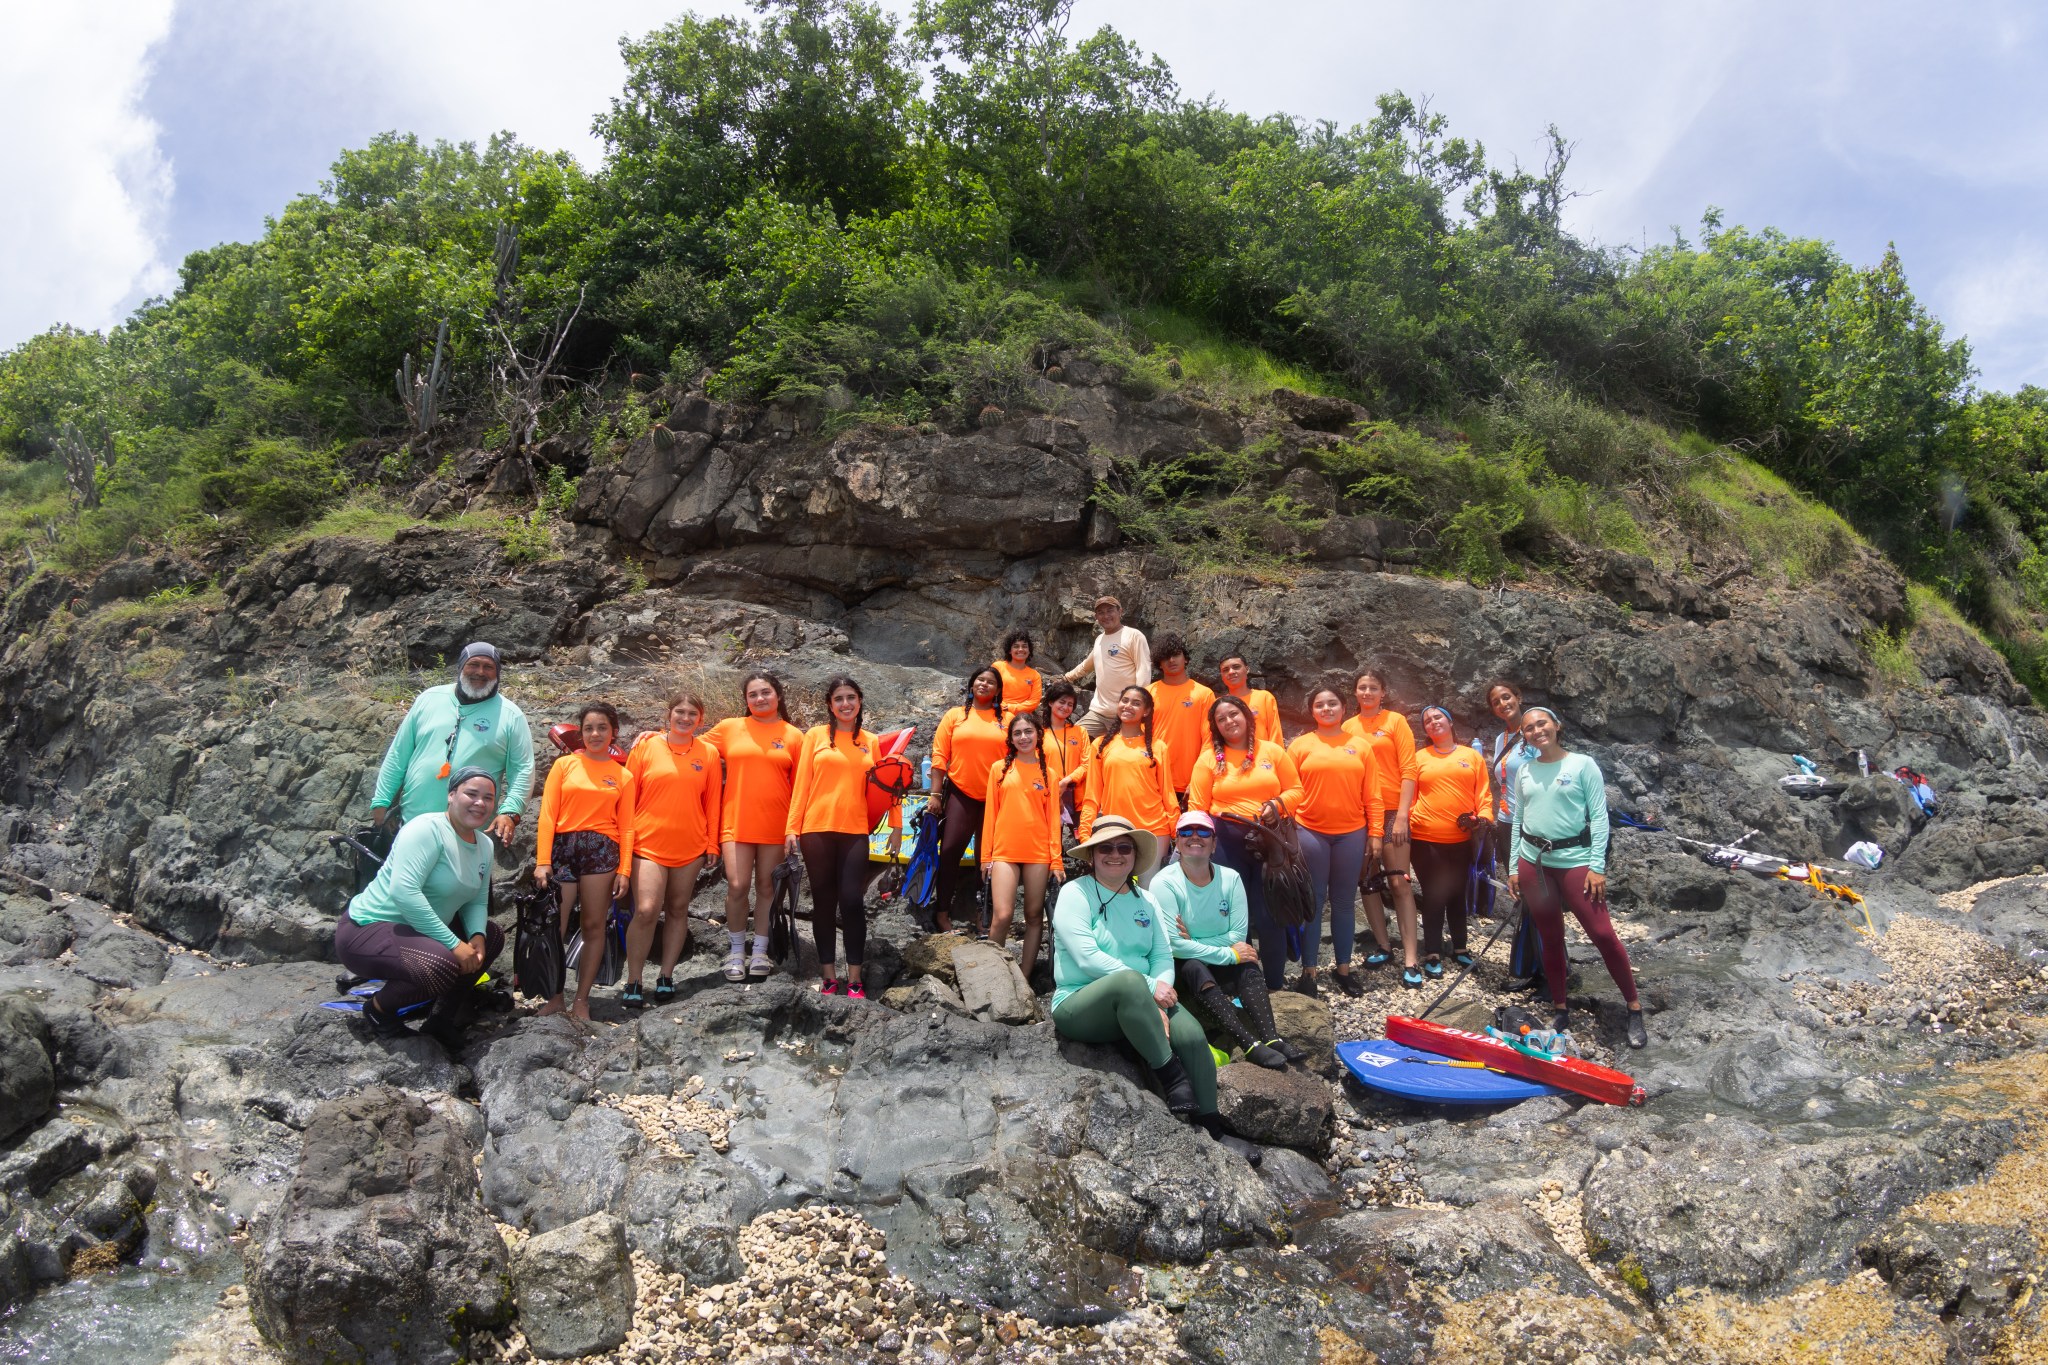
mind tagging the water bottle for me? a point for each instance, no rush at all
(1862, 763)
(925, 774)
(1805, 763)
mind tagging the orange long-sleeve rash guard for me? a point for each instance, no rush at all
(1394, 751)
(967, 742)
(1447, 786)
(1023, 688)
(831, 791)
(1021, 823)
(760, 774)
(1071, 745)
(1235, 791)
(1180, 716)
(676, 793)
(1340, 783)
(586, 794)
(1122, 781)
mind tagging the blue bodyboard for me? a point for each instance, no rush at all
(1412, 1074)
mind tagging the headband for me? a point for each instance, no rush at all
(1554, 719)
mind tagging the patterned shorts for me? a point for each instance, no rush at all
(585, 853)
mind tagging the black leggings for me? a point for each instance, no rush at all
(412, 966)
(1444, 870)
(1272, 941)
(963, 822)
(1206, 988)
(837, 865)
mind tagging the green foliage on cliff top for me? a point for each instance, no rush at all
(903, 222)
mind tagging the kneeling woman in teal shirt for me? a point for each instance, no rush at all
(1113, 968)
(399, 926)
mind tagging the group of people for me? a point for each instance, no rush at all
(1157, 786)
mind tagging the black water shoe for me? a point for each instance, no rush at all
(1638, 1036)
(1268, 1057)
(1180, 1091)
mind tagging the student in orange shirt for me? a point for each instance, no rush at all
(1066, 742)
(1453, 806)
(969, 741)
(760, 752)
(828, 827)
(1129, 772)
(586, 841)
(1245, 778)
(677, 783)
(1394, 753)
(1023, 685)
(1180, 710)
(1020, 835)
(1236, 675)
(1340, 801)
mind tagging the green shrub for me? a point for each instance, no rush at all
(1778, 527)
(1209, 512)
(1892, 656)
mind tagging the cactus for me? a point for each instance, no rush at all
(421, 393)
(81, 466)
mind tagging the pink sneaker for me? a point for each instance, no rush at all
(829, 986)
(856, 991)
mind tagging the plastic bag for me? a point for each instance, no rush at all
(1864, 855)
(613, 965)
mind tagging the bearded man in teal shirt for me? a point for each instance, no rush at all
(468, 723)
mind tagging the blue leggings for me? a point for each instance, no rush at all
(1334, 861)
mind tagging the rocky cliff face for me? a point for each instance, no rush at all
(173, 764)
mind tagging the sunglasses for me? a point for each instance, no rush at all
(1121, 850)
(1196, 833)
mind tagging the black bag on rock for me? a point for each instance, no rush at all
(788, 880)
(538, 963)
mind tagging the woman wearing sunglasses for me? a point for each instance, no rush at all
(1113, 968)
(1205, 912)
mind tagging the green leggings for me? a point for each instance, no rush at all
(1119, 1008)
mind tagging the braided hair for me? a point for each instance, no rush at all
(860, 718)
(1010, 740)
(1144, 722)
(1251, 731)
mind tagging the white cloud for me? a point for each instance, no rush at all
(2000, 301)
(87, 184)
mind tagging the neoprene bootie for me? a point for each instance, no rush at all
(1287, 1050)
(1270, 1058)
(1180, 1091)
(1638, 1036)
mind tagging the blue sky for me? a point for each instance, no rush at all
(143, 129)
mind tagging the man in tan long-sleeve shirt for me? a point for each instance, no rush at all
(1120, 659)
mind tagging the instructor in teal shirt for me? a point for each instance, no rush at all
(468, 723)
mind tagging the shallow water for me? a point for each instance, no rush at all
(135, 1316)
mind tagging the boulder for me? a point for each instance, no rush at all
(1258, 1307)
(28, 1078)
(114, 956)
(1306, 1024)
(575, 1288)
(1961, 1270)
(1276, 1108)
(932, 955)
(31, 930)
(991, 985)
(379, 1249)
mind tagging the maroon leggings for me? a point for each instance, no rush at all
(1548, 891)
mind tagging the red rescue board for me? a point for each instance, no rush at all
(1580, 1077)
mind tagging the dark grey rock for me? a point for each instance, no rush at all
(379, 1249)
(1960, 1270)
(31, 930)
(113, 956)
(575, 1288)
(1255, 1307)
(28, 1078)
(991, 986)
(1274, 1108)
